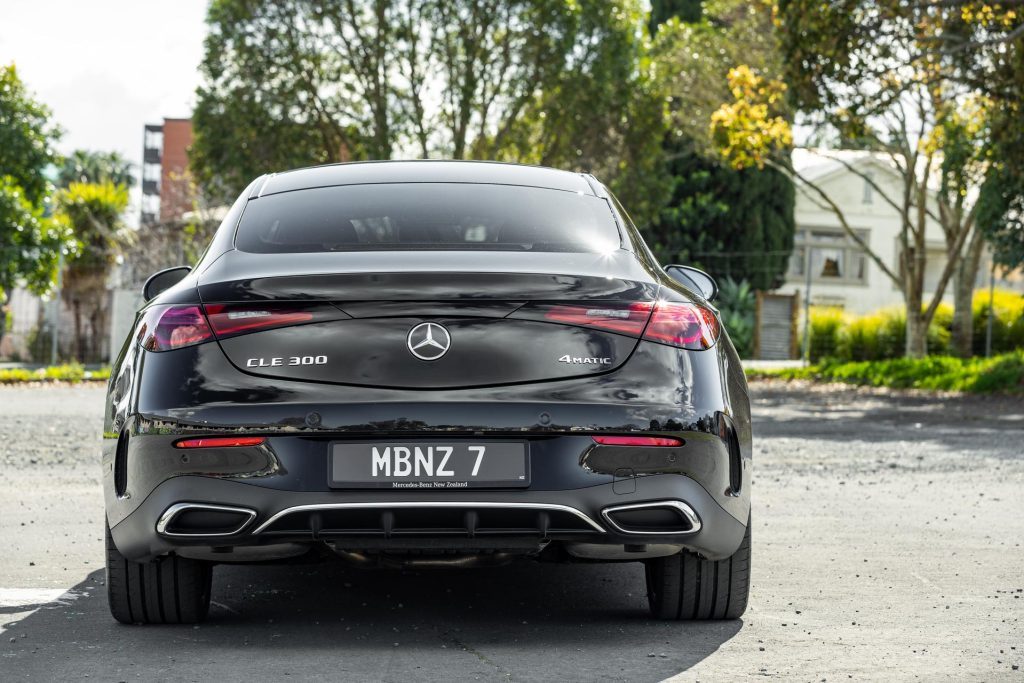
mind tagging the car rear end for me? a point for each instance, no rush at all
(315, 391)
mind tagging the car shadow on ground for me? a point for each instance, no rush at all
(333, 621)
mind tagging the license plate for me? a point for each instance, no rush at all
(429, 464)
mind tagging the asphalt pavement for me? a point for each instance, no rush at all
(888, 534)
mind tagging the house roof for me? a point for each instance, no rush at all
(816, 163)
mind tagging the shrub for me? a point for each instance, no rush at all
(826, 325)
(737, 304)
(1003, 373)
(883, 334)
(11, 375)
(71, 372)
(873, 337)
(1007, 323)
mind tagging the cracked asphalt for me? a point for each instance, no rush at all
(888, 535)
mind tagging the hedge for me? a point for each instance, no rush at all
(882, 334)
(999, 374)
(71, 372)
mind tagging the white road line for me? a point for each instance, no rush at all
(32, 600)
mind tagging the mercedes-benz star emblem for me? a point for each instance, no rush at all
(429, 341)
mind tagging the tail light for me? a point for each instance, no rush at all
(164, 328)
(683, 324)
(686, 325)
(220, 442)
(626, 319)
(660, 441)
(171, 327)
(231, 320)
(622, 319)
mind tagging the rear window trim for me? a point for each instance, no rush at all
(624, 242)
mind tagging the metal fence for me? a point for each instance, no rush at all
(44, 330)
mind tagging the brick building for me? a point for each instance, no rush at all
(165, 183)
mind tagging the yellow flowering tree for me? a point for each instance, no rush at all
(892, 79)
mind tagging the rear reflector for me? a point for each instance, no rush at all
(686, 325)
(662, 441)
(220, 442)
(171, 327)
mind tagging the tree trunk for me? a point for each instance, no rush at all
(917, 327)
(99, 327)
(94, 338)
(917, 335)
(963, 297)
(79, 337)
(3, 314)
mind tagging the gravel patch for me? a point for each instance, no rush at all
(888, 535)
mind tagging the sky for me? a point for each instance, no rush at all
(106, 67)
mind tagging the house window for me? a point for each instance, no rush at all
(831, 255)
(868, 196)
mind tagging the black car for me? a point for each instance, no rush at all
(398, 363)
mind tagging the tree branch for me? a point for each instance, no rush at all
(793, 173)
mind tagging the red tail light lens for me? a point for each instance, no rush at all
(686, 325)
(164, 328)
(229, 320)
(220, 442)
(659, 441)
(624, 319)
(171, 327)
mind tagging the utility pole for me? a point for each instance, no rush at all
(991, 313)
(55, 324)
(807, 307)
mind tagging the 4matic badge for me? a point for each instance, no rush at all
(585, 360)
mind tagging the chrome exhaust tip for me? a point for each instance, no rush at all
(654, 518)
(203, 520)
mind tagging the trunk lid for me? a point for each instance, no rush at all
(427, 320)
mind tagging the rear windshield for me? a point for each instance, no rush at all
(404, 216)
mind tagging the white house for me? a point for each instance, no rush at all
(841, 274)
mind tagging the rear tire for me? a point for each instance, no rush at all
(687, 588)
(169, 590)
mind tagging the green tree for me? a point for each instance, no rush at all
(686, 11)
(93, 210)
(735, 223)
(27, 137)
(1001, 197)
(824, 45)
(30, 240)
(85, 166)
(30, 243)
(300, 82)
(884, 77)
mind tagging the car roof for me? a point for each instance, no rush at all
(423, 171)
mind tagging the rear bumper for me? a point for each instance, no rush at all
(194, 391)
(357, 520)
